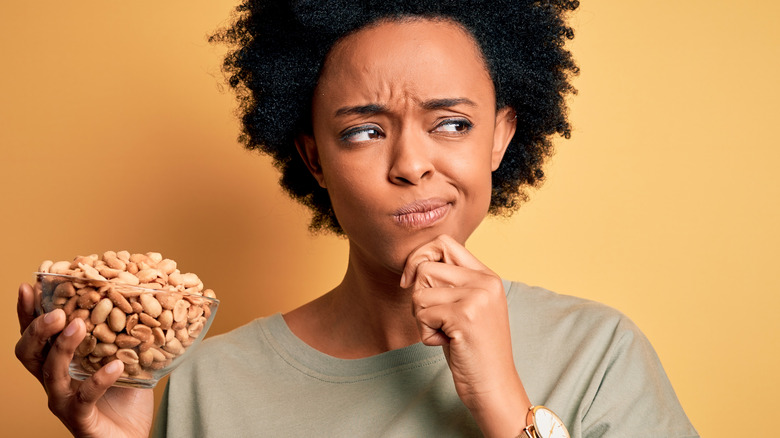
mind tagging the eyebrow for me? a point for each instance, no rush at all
(447, 103)
(361, 110)
(432, 104)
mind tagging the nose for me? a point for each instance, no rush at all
(411, 162)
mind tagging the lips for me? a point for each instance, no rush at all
(422, 213)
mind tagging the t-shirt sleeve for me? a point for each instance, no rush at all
(633, 397)
(160, 426)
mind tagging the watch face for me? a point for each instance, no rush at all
(548, 425)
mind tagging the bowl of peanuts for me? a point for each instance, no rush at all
(138, 308)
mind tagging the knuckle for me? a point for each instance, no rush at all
(48, 377)
(443, 239)
(469, 315)
(422, 314)
(482, 299)
(423, 267)
(53, 406)
(19, 350)
(85, 392)
(494, 283)
(417, 297)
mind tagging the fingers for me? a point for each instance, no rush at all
(437, 274)
(452, 312)
(433, 324)
(443, 249)
(448, 301)
(32, 346)
(63, 401)
(25, 310)
(56, 379)
(95, 386)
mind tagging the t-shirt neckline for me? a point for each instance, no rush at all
(317, 364)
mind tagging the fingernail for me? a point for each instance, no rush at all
(49, 318)
(403, 279)
(71, 328)
(113, 367)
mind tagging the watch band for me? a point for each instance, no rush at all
(549, 416)
(529, 431)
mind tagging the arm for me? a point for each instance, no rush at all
(461, 305)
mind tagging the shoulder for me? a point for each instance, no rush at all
(540, 307)
(574, 334)
(592, 364)
(233, 350)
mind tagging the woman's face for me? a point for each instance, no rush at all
(405, 137)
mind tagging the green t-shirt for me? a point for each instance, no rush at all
(585, 361)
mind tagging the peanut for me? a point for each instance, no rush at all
(169, 300)
(70, 306)
(119, 301)
(145, 328)
(180, 311)
(127, 355)
(103, 349)
(132, 268)
(66, 290)
(145, 358)
(88, 300)
(147, 275)
(113, 261)
(159, 336)
(151, 305)
(108, 272)
(165, 319)
(117, 319)
(148, 320)
(142, 333)
(59, 268)
(190, 280)
(175, 279)
(104, 334)
(132, 320)
(86, 346)
(45, 266)
(126, 341)
(101, 311)
(155, 257)
(166, 266)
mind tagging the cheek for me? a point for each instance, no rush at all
(352, 188)
(473, 173)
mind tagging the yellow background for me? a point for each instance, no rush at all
(117, 133)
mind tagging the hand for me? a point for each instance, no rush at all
(87, 408)
(461, 305)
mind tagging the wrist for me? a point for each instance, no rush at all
(502, 412)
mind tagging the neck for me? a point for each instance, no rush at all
(366, 314)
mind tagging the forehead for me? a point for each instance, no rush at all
(409, 59)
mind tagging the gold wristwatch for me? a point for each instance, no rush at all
(543, 423)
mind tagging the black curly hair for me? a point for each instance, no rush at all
(279, 47)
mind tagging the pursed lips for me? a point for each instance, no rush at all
(422, 213)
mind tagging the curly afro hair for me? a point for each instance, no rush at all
(278, 49)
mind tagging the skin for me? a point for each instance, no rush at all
(405, 137)
(92, 408)
(404, 119)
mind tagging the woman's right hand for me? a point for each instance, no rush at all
(88, 408)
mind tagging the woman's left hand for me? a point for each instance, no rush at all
(461, 305)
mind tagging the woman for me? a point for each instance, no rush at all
(401, 127)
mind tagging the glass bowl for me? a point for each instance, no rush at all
(150, 330)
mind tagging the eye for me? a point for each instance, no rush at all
(454, 126)
(361, 133)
